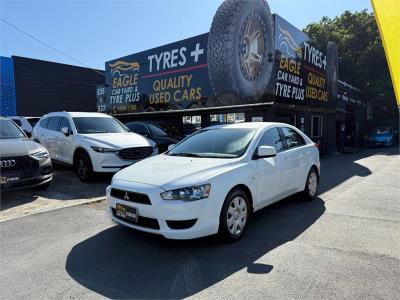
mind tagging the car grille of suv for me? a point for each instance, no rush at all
(130, 196)
(25, 167)
(135, 153)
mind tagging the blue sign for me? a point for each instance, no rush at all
(8, 105)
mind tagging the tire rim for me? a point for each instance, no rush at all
(236, 217)
(312, 184)
(251, 46)
(82, 169)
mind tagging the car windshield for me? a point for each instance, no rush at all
(215, 143)
(8, 130)
(157, 131)
(382, 130)
(91, 125)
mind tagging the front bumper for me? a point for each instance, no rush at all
(163, 217)
(384, 142)
(42, 176)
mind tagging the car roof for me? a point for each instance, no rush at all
(77, 114)
(22, 117)
(249, 125)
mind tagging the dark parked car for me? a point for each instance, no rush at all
(382, 136)
(154, 133)
(23, 163)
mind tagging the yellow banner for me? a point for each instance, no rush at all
(387, 15)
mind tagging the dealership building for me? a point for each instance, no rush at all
(263, 69)
(267, 71)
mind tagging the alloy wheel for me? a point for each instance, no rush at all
(82, 169)
(251, 47)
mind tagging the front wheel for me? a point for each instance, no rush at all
(310, 190)
(234, 216)
(84, 168)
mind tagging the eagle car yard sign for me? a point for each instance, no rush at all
(258, 58)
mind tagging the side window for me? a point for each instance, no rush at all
(293, 139)
(272, 138)
(43, 123)
(65, 123)
(18, 122)
(54, 123)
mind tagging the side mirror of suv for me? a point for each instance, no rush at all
(171, 146)
(265, 151)
(66, 131)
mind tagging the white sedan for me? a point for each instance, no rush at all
(212, 181)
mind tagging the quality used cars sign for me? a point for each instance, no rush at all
(173, 76)
(259, 58)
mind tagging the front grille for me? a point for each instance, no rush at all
(130, 196)
(135, 153)
(25, 167)
(142, 221)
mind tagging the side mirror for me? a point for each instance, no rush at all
(265, 151)
(66, 131)
(27, 133)
(171, 146)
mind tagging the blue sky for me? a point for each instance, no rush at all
(97, 31)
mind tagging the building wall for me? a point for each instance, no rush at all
(42, 87)
(7, 87)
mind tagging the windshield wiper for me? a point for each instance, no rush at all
(188, 154)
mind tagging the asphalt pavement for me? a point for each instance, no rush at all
(345, 244)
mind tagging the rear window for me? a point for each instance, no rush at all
(33, 121)
(43, 123)
(382, 130)
(17, 121)
(54, 123)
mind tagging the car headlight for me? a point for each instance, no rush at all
(190, 193)
(103, 150)
(43, 154)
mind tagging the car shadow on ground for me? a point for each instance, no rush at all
(337, 169)
(64, 186)
(122, 263)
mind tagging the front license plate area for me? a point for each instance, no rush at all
(4, 179)
(127, 212)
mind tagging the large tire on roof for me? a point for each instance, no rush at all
(240, 48)
(332, 69)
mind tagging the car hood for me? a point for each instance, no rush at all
(18, 147)
(117, 140)
(381, 135)
(170, 172)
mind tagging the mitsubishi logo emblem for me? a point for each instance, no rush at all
(126, 197)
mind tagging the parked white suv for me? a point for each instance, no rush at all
(91, 142)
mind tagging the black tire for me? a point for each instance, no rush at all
(43, 186)
(332, 70)
(84, 168)
(225, 230)
(228, 48)
(309, 193)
